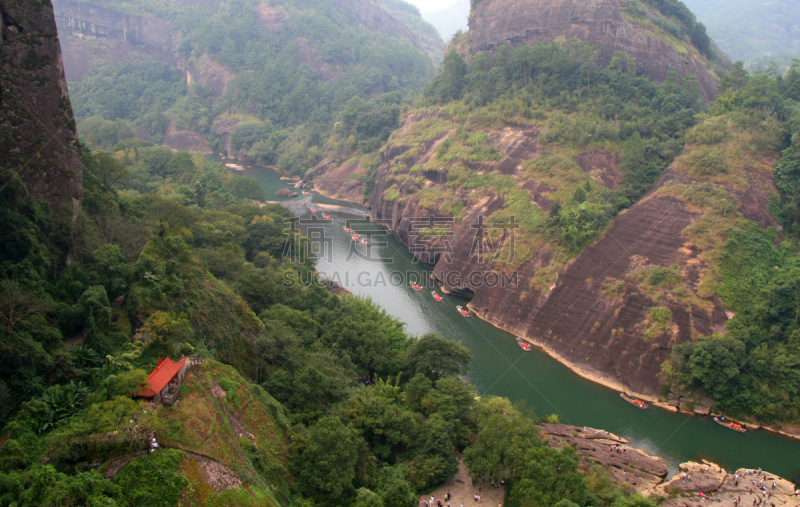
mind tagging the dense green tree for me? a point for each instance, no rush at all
(449, 84)
(551, 476)
(435, 357)
(505, 434)
(325, 461)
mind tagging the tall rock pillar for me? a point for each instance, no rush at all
(38, 139)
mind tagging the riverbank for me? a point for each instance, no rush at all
(336, 197)
(789, 430)
(610, 381)
(647, 475)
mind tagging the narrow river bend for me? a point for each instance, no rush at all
(501, 368)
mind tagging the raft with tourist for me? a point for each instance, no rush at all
(346, 229)
(366, 242)
(730, 424)
(463, 311)
(524, 345)
(415, 286)
(436, 297)
(634, 401)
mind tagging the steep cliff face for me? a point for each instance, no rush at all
(37, 130)
(600, 22)
(378, 18)
(92, 33)
(613, 312)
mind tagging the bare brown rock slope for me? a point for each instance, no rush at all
(626, 465)
(614, 311)
(634, 469)
(37, 130)
(601, 22)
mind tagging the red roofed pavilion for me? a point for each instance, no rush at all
(163, 382)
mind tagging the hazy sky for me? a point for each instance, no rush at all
(431, 5)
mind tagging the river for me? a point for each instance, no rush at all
(501, 368)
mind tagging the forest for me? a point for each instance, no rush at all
(288, 89)
(175, 242)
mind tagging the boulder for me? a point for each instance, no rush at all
(285, 192)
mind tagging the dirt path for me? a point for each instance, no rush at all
(462, 492)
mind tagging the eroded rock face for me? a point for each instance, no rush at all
(594, 312)
(494, 22)
(626, 465)
(372, 16)
(37, 129)
(115, 36)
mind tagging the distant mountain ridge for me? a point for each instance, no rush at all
(450, 19)
(751, 29)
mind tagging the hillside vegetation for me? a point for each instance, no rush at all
(557, 107)
(304, 397)
(751, 368)
(271, 82)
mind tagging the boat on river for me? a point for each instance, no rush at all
(636, 402)
(463, 311)
(436, 296)
(313, 211)
(416, 286)
(524, 345)
(356, 237)
(326, 217)
(305, 202)
(730, 424)
(305, 192)
(366, 242)
(346, 229)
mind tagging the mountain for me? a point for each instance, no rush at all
(660, 37)
(450, 19)
(262, 82)
(37, 129)
(748, 30)
(598, 205)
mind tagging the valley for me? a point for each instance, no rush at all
(306, 253)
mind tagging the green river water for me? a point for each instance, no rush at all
(501, 368)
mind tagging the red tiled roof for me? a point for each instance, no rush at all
(160, 377)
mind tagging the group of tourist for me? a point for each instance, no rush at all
(153, 444)
(617, 448)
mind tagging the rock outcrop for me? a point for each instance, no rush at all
(745, 486)
(371, 15)
(37, 129)
(600, 22)
(612, 313)
(627, 465)
(634, 469)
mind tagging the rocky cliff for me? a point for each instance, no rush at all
(37, 130)
(614, 311)
(93, 33)
(600, 22)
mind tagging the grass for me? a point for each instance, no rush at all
(657, 322)
(205, 421)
